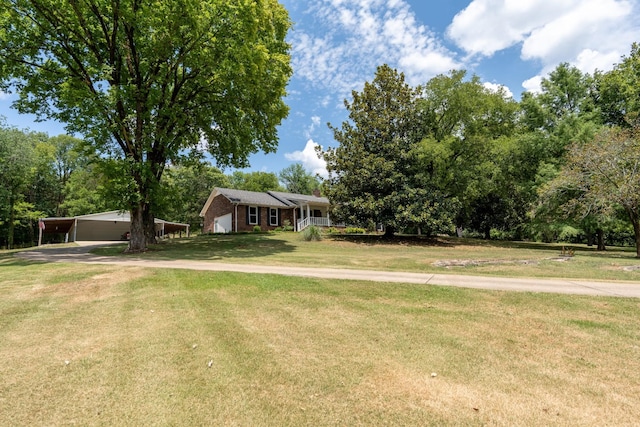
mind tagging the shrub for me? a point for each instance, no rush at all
(286, 225)
(354, 230)
(257, 229)
(311, 233)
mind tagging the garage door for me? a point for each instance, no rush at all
(222, 224)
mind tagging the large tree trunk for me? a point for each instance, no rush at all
(389, 232)
(589, 239)
(149, 225)
(143, 231)
(635, 221)
(600, 237)
(137, 242)
(12, 220)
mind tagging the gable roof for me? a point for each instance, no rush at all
(300, 198)
(272, 199)
(243, 197)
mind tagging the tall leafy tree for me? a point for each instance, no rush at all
(604, 175)
(144, 80)
(186, 189)
(618, 91)
(84, 192)
(67, 159)
(372, 173)
(297, 180)
(562, 114)
(17, 172)
(464, 127)
(255, 181)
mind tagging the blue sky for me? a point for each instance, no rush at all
(337, 45)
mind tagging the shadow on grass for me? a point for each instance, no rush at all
(398, 239)
(216, 247)
(452, 242)
(10, 260)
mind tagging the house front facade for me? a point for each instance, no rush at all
(228, 210)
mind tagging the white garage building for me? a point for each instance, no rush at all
(104, 226)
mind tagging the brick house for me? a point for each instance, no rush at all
(228, 210)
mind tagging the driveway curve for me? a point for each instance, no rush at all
(561, 286)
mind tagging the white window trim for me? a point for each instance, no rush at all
(254, 214)
(271, 217)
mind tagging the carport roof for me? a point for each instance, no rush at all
(64, 224)
(58, 225)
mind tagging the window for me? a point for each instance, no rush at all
(252, 215)
(273, 216)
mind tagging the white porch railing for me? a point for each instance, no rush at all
(313, 220)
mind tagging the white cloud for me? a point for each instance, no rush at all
(533, 85)
(309, 159)
(487, 26)
(590, 34)
(359, 35)
(4, 95)
(590, 24)
(315, 122)
(589, 60)
(496, 87)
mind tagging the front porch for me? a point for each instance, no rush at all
(308, 215)
(312, 220)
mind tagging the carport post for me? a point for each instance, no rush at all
(40, 225)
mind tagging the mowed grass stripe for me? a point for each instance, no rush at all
(299, 351)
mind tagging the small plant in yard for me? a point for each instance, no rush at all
(287, 225)
(311, 233)
(257, 229)
(354, 230)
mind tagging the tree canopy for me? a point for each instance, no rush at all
(255, 181)
(453, 152)
(372, 176)
(143, 88)
(417, 158)
(604, 175)
(297, 180)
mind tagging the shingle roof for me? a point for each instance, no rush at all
(273, 199)
(252, 198)
(293, 198)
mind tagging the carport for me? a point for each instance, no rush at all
(113, 225)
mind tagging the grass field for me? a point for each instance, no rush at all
(101, 345)
(442, 255)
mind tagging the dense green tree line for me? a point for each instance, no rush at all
(453, 154)
(449, 156)
(43, 176)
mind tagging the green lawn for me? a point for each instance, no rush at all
(443, 255)
(101, 345)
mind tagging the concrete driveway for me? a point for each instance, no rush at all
(81, 254)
